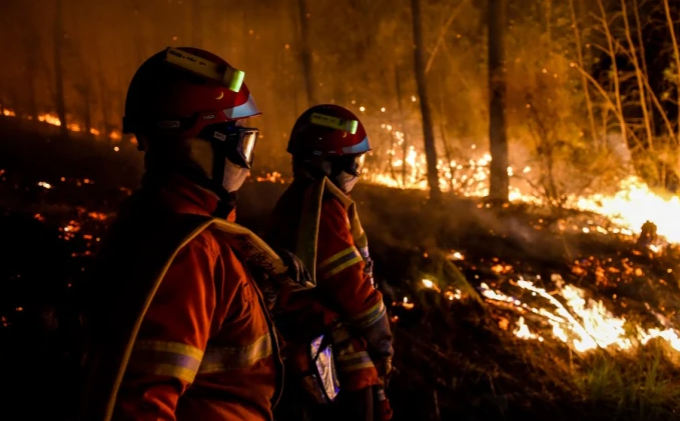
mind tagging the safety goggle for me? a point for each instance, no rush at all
(235, 142)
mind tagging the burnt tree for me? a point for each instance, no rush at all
(499, 183)
(60, 101)
(428, 133)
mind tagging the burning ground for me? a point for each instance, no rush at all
(498, 312)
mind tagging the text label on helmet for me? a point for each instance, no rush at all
(230, 77)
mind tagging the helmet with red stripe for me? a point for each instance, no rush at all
(180, 91)
(329, 140)
(328, 130)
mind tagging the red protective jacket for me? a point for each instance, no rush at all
(205, 349)
(344, 294)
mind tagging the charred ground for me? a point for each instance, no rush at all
(457, 354)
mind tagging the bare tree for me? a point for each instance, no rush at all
(638, 75)
(584, 81)
(428, 134)
(500, 183)
(404, 146)
(676, 55)
(614, 71)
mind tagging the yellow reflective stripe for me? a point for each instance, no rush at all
(164, 358)
(223, 358)
(169, 370)
(370, 316)
(174, 347)
(336, 256)
(354, 361)
(339, 261)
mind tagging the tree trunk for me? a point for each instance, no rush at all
(499, 183)
(428, 134)
(442, 131)
(31, 75)
(87, 98)
(404, 145)
(58, 70)
(104, 97)
(306, 52)
(196, 33)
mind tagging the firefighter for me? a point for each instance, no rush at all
(316, 218)
(179, 329)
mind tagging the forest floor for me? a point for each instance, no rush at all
(473, 341)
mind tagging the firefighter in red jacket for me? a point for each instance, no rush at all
(316, 218)
(179, 328)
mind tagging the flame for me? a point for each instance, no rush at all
(49, 119)
(582, 324)
(629, 207)
(523, 331)
(273, 177)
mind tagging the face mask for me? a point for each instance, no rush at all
(234, 176)
(346, 181)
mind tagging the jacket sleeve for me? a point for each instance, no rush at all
(340, 274)
(172, 338)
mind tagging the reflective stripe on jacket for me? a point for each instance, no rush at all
(206, 347)
(344, 292)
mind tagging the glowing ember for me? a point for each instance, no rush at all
(453, 295)
(430, 285)
(45, 185)
(273, 177)
(456, 255)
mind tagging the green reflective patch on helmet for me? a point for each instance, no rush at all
(336, 123)
(235, 81)
(353, 126)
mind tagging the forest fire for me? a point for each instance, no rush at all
(583, 324)
(53, 120)
(628, 208)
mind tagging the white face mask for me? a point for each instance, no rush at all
(234, 176)
(346, 181)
